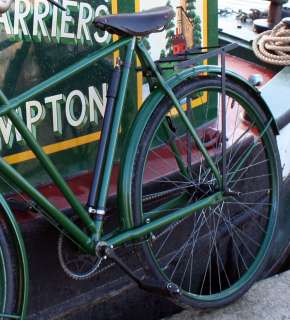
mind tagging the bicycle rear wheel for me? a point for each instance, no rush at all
(218, 252)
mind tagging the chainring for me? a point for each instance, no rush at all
(76, 263)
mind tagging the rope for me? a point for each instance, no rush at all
(273, 46)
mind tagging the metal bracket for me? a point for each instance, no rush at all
(204, 56)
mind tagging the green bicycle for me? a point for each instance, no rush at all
(199, 202)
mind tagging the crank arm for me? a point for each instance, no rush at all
(163, 288)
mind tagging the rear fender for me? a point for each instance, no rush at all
(148, 107)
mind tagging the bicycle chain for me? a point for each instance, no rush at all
(155, 238)
(152, 197)
(165, 193)
(76, 275)
(112, 264)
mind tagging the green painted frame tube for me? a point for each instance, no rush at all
(48, 166)
(175, 150)
(10, 316)
(102, 197)
(164, 85)
(10, 173)
(86, 242)
(63, 75)
(45, 161)
(143, 230)
(23, 261)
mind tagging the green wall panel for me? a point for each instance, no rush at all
(36, 41)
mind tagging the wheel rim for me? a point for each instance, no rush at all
(215, 283)
(2, 283)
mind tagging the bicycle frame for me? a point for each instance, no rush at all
(89, 240)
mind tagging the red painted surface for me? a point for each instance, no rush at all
(80, 186)
(246, 68)
(179, 44)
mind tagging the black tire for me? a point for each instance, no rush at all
(10, 280)
(143, 202)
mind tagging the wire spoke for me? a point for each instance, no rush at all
(253, 217)
(206, 254)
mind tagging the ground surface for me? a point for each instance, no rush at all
(267, 300)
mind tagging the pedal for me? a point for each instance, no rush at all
(163, 288)
(167, 289)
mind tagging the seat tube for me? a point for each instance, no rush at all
(111, 149)
(103, 145)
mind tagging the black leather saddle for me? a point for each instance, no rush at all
(136, 24)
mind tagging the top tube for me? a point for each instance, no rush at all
(61, 76)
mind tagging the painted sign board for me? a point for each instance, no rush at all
(37, 40)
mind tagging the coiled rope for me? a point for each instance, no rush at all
(273, 46)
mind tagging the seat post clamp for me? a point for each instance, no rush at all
(101, 212)
(97, 212)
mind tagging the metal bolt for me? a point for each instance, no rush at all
(153, 237)
(256, 79)
(92, 210)
(147, 220)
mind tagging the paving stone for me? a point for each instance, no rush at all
(267, 300)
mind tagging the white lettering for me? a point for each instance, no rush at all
(72, 119)
(7, 130)
(49, 23)
(79, 109)
(6, 22)
(85, 18)
(22, 10)
(106, 37)
(55, 24)
(41, 13)
(67, 21)
(56, 102)
(35, 112)
(95, 99)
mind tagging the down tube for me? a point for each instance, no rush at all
(50, 168)
(51, 211)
